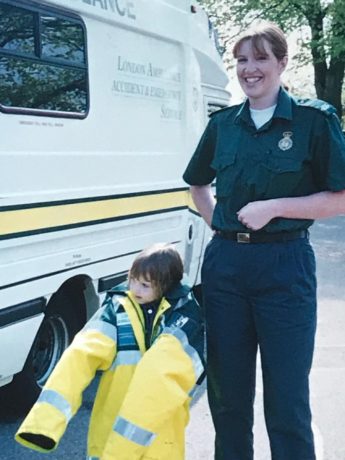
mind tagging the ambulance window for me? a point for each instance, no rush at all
(43, 68)
(62, 39)
(41, 86)
(16, 30)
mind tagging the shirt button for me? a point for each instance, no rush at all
(149, 311)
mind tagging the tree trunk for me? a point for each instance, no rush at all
(334, 84)
(328, 79)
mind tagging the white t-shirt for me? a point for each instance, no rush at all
(260, 117)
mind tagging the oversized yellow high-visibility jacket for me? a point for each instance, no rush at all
(141, 407)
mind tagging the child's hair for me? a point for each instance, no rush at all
(161, 265)
(260, 31)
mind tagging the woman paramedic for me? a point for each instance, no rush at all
(279, 163)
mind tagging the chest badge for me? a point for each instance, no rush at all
(286, 142)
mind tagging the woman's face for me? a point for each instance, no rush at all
(259, 74)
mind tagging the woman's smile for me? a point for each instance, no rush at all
(259, 72)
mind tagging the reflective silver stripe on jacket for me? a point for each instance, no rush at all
(92, 458)
(126, 357)
(122, 318)
(195, 391)
(58, 401)
(183, 300)
(191, 352)
(133, 432)
(103, 327)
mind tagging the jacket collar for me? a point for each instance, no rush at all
(282, 110)
(181, 290)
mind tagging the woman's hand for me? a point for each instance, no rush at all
(257, 214)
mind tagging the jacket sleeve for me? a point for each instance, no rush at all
(163, 382)
(92, 349)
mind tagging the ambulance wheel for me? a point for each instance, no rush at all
(59, 326)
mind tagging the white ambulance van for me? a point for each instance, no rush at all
(101, 105)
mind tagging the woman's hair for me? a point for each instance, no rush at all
(161, 265)
(260, 31)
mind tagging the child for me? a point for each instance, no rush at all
(148, 341)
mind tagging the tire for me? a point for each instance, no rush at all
(52, 339)
(59, 326)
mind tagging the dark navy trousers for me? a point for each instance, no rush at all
(260, 296)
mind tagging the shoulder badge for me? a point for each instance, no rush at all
(218, 111)
(318, 104)
(229, 108)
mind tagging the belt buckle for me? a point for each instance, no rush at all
(243, 237)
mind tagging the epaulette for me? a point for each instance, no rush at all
(224, 109)
(318, 104)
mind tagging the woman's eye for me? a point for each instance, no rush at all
(241, 60)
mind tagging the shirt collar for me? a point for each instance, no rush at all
(283, 109)
(284, 105)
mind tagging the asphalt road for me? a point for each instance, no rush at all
(327, 377)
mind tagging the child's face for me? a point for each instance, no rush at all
(143, 290)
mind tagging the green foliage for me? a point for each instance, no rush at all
(289, 15)
(323, 46)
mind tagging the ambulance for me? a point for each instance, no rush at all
(102, 103)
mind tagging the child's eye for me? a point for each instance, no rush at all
(262, 58)
(145, 285)
(241, 60)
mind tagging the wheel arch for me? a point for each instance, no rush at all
(81, 291)
(67, 310)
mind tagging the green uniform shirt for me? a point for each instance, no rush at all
(300, 151)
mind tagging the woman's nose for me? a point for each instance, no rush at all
(250, 65)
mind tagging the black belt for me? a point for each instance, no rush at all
(254, 237)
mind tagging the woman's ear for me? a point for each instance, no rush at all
(283, 63)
